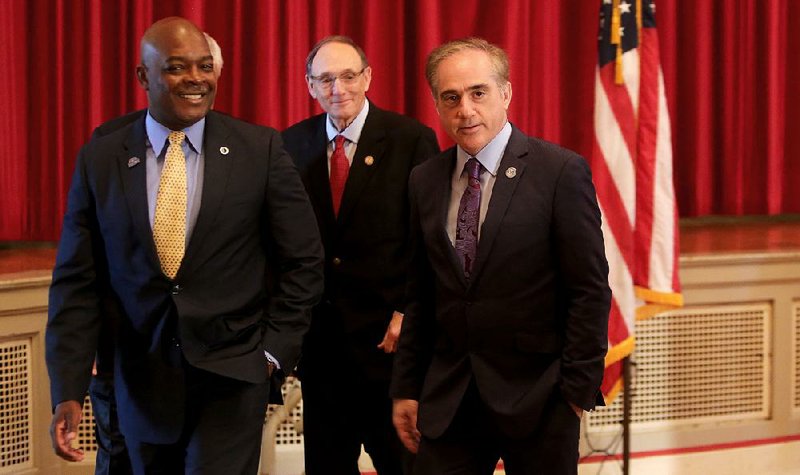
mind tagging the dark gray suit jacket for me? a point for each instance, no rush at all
(531, 322)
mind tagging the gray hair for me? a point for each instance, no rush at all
(216, 53)
(498, 57)
(334, 39)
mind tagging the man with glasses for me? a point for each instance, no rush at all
(355, 160)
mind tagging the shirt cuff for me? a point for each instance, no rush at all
(272, 359)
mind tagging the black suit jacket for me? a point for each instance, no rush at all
(531, 321)
(366, 247)
(254, 218)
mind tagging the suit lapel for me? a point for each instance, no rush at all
(444, 174)
(370, 144)
(216, 171)
(133, 174)
(502, 192)
(319, 185)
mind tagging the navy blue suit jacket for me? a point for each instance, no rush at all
(255, 221)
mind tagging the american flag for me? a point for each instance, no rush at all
(632, 168)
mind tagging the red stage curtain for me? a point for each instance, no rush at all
(732, 79)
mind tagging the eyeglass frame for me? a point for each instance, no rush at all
(332, 78)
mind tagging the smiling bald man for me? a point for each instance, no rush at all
(173, 223)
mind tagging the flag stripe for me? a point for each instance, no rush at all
(646, 156)
(621, 105)
(608, 195)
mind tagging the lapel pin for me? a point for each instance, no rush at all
(511, 172)
(224, 150)
(368, 160)
(133, 161)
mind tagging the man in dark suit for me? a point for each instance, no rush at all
(359, 194)
(112, 455)
(178, 237)
(505, 330)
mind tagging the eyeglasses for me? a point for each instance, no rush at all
(347, 78)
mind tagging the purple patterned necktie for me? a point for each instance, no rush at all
(469, 211)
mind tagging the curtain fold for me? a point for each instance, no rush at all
(732, 82)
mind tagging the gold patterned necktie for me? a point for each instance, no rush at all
(169, 226)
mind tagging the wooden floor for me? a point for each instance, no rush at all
(697, 238)
(20, 261)
(702, 237)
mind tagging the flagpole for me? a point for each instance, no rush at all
(626, 415)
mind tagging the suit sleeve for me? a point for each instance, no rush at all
(584, 271)
(73, 323)
(297, 257)
(425, 146)
(415, 347)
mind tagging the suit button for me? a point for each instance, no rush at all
(336, 261)
(176, 289)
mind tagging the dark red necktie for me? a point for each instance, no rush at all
(469, 214)
(340, 168)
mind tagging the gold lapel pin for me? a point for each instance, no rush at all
(224, 150)
(511, 172)
(369, 160)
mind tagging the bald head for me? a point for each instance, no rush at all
(177, 71)
(165, 31)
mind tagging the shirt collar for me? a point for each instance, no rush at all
(491, 154)
(157, 134)
(353, 131)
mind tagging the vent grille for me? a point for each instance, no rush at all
(796, 353)
(15, 405)
(697, 364)
(86, 436)
(290, 432)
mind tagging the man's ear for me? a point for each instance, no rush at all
(141, 76)
(507, 94)
(310, 87)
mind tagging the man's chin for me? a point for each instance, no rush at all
(470, 143)
(191, 117)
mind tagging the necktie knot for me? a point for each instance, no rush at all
(176, 138)
(473, 168)
(339, 142)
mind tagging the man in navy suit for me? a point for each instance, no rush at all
(198, 347)
(364, 229)
(505, 330)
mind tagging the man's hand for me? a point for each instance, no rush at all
(578, 410)
(64, 430)
(389, 343)
(404, 417)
